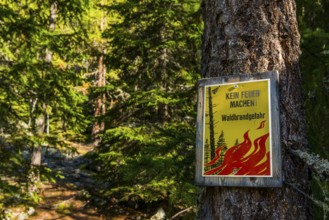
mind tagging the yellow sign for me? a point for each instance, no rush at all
(237, 130)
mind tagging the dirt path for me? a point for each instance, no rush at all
(68, 199)
(75, 195)
(64, 203)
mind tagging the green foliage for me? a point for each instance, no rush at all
(11, 166)
(156, 38)
(314, 29)
(14, 167)
(49, 54)
(147, 152)
(150, 163)
(313, 21)
(39, 82)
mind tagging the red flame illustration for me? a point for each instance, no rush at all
(239, 161)
(218, 150)
(262, 125)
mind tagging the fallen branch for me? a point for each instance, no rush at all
(181, 212)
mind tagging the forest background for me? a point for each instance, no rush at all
(122, 75)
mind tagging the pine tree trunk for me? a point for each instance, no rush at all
(99, 126)
(100, 110)
(34, 172)
(257, 36)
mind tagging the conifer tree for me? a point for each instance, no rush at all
(40, 86)
(221, 139)
(147, 149)
(221, 142)
(313, 26)
(99, 46)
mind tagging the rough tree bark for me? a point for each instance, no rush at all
(100, 110)
(249, 36)
(98, 126)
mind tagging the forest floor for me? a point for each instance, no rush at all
(69, 198)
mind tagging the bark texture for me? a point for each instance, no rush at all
(98, 126)
(100, 81)
(250, 36)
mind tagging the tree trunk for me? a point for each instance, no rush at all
(34, 172)
(99, 126)
(242, 37)
(100, 110)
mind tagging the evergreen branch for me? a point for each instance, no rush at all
(315, 55)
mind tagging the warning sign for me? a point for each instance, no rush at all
(237, 129)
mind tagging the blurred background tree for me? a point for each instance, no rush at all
(147, 150)
(314, 29)
(40, 101)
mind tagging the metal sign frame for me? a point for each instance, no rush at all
(241, 104)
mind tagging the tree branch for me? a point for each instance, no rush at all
(181, 212)
(318, 165)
